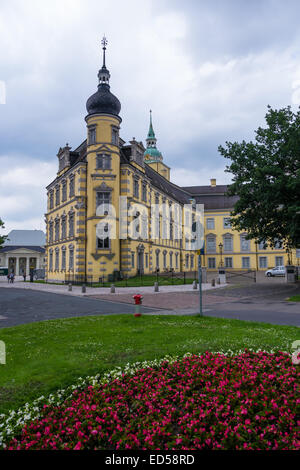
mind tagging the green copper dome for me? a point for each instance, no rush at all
(152, 154)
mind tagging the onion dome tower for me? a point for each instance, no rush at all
(103, 101)
(152, 154)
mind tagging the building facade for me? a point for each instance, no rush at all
(87, 189)
(23, 251)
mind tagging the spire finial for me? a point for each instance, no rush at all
(104, 74)
(104, 44)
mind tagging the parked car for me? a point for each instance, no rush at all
(277, 271)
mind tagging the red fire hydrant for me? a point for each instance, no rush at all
(138, 302)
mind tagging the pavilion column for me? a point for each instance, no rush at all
(27, 266)
(17, 266)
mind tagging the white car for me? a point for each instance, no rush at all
(278, 271)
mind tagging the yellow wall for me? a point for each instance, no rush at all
(254, 253)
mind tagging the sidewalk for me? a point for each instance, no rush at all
(98, 291)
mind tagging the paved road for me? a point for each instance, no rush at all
(254, 303)
(18, 306)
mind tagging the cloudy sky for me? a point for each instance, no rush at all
(207, 68)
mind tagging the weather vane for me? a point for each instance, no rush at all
(104, 42)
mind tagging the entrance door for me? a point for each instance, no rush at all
(22, 266)
(141, 262)
(32, 263)
(12, 265)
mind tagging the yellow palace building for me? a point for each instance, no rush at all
(103, 168)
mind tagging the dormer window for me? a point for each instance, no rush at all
(103, 161)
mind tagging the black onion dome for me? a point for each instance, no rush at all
(103, 101)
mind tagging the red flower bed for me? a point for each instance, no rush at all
(211, 401)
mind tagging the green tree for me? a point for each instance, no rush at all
(266, 178)
(2, 237)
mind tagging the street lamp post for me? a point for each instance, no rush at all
(221, 252)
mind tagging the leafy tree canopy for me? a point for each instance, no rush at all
(2, 237)
(266, 178)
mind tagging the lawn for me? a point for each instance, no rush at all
(137, 281)
(46, 356)
(295, 298)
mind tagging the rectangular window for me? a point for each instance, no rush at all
(103, 243)
(63, 259)
(63, 227)
(71, 259)
(51, 232)
(165, 260)
(71, 186)
(245, 244)
(51, 200)
(57, 196)
(57, 230)
(132, 260)
(227, 243)
(263, 263)
(50, 260)
(212, 263)
(136, 188)
(210, 224)
(92, 136)
(171, 260)
(192, 262)
(71, 225)
(103, 161)
(211, 244)
(279, 261)
(228, 263)
(157, 260)
(103, 198)
(144, 193)
(245, 262)
(64, 191)
(146, 260)
(262, 245)
(176, 260)
(226, 222)
(56, 260)
(114, 136)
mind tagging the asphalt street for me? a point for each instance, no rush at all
(19, 306)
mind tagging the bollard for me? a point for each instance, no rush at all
(156, 288)
(83, 288)
(138, 302)
(194, 285)
(213, 282)
(112, 289)
(70, 287)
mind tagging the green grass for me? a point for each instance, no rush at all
(136, 281)
(146, 280)
(43, 357)
(295, 298)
